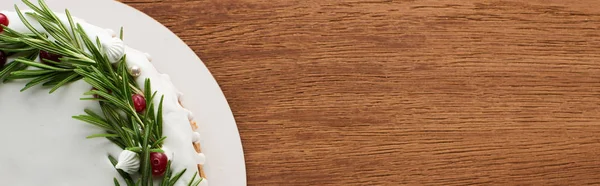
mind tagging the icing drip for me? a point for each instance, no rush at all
(148, 56)
(111, 32)
(200, 159)
(190, 115)
(180, 96)
(176, 118)
(166, 76)
(195, 137)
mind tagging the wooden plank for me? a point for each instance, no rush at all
(383, 92)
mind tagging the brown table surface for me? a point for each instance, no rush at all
(384, 92)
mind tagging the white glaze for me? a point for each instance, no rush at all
(166, 76)
(195, 137)
(190, 115)
(148, 56)
(129, 162)
(111, 32)
(176, 124)
(180, 96)
(169, 153)
(200, 158)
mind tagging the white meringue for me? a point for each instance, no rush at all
(129, 162)
(115, 49)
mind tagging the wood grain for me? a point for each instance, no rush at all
(385, 92)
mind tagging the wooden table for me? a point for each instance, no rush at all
(384, 92)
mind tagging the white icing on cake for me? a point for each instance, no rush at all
(204, 182)
(176, 118)
(148, 56)
(200, 159)
(111, 32)
(176, 124)
(180, 96)
(195, 137)
(190, 115)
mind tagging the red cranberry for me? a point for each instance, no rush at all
(49, 56)
(3, 21)
(139, 102)
(2, 59)
(158, 162)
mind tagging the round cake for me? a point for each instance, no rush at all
(138, 132)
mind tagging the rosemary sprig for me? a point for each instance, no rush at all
(83, 58)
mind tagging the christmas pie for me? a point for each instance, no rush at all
(137, 130)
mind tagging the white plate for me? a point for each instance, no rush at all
(221, 141)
